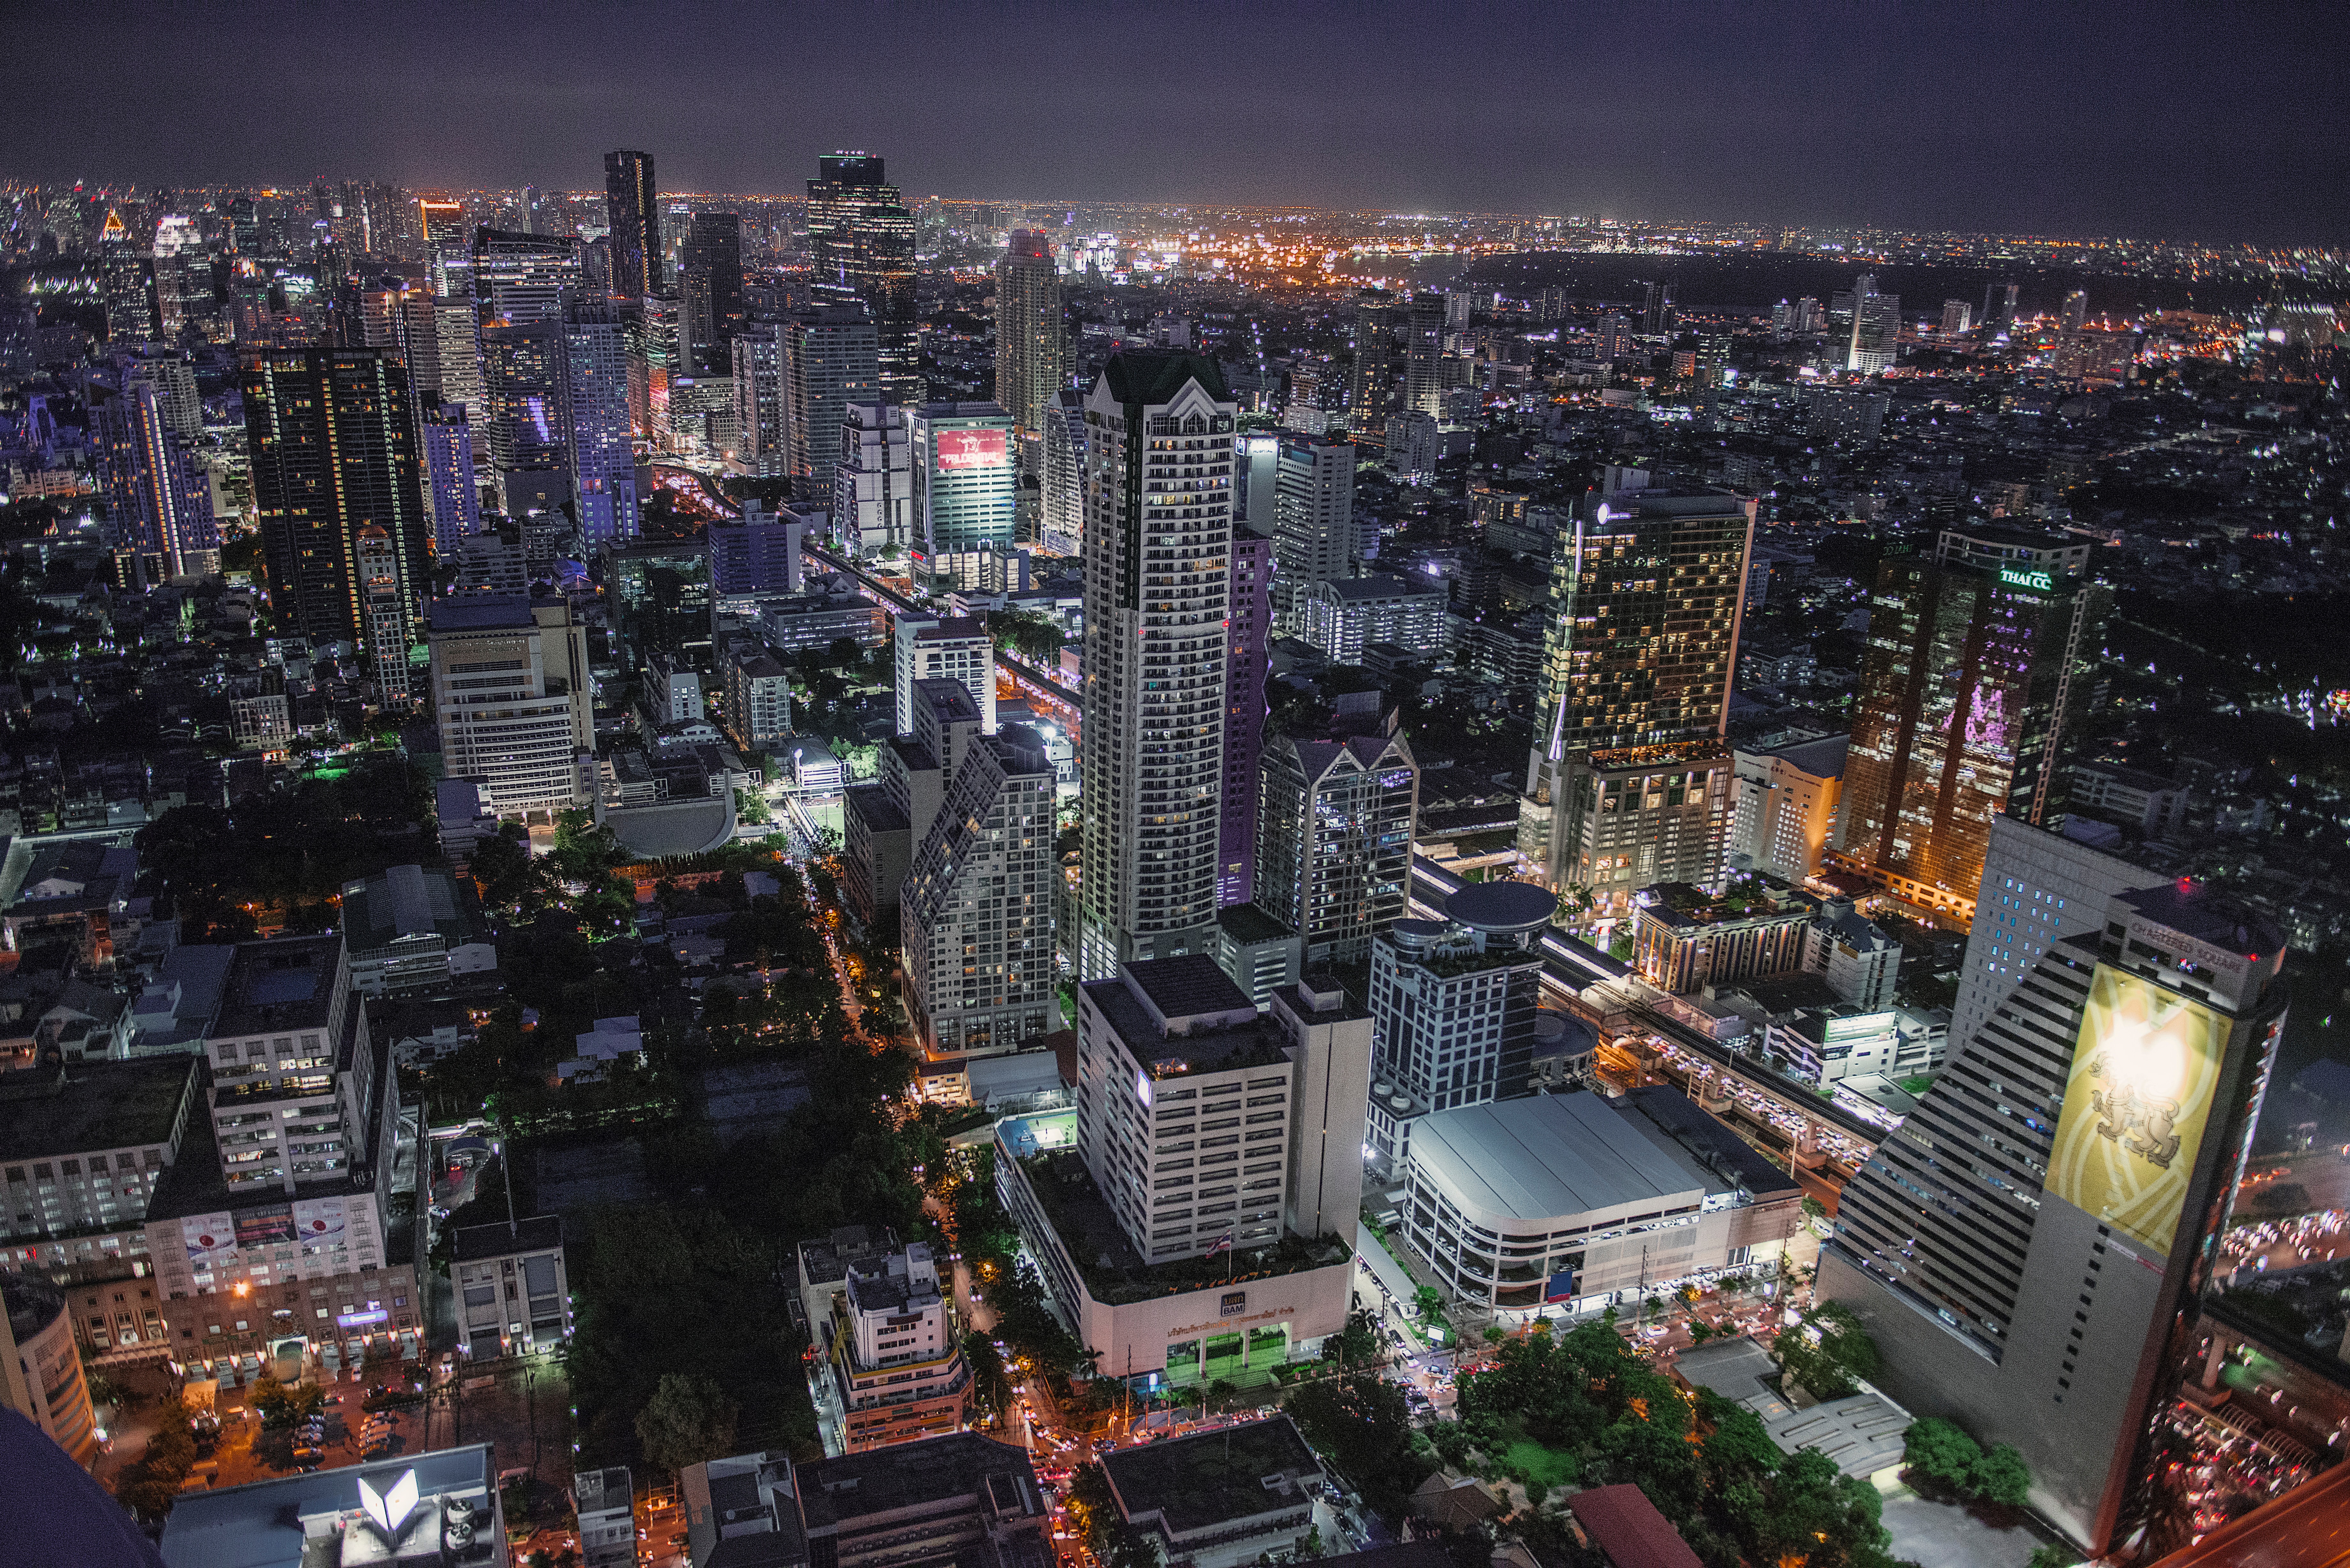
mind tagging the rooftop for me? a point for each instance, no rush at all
(481, 612)
(262, 1524)
(1246, 924)
(1628, 1529)
(1184, 1015)
(1146, 376)
(286, 983)
(1216, 1478)
(1379, 585)
(86, 1106)
(835, 1493)
(539, 1233)
(405, 901)
(1552, 1156)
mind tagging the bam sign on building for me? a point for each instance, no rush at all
(2144, 1073)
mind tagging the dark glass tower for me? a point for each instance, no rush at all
(861, 239)
(334, 453)
(711, 311)
(635, 209)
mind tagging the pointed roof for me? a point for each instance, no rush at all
(1146, 376)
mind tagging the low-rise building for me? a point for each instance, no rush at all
(440, 1507)
(605, 1504)
(1219, 1499)
(513, 1293)
(892, 1369)
(413, 932)
(76, 890)
(1574, 1201)
(82, 1148)
(1341, 616)
(1684, 938)
(1860, 962)
(957, 1501)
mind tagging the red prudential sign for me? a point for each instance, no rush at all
(971, 449)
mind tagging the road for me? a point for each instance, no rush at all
(2309, 1527)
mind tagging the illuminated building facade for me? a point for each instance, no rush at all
(1334, 840)
(1974, 683)
(1028, 338)
(966, 487)
(1250, 604)
(160, 500)
(861, 238)
(1378, 375)
(830, 360)
(710, 310)
(2028, 1250)
(633, 206)
(1629, 782)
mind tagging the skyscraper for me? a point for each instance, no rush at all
(761, 444)
(831, 358)
(523, 277)
(977, 904)
(126, 280)
(1062, 496)
(1876, 338)
(633, 206)
(333, 446)
(956, 648)
(1972, 688)
(965, 488)
(1377, 379)
(1657, 309)
(2076, 310)
(1159, 520)
(159, 502)
(515, 700)
(2029, 1250)
(596, 424)
(1334, 840)
(183, 274)
(861, 240)
(1249, 609)
(1028, 341)
(709, 311)
(390, 612)
(1314, 537)
(521, 377)
(450, 491)
(1423, 329)
(873, 481)
(458, 327)
(1629, 782)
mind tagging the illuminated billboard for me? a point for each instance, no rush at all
(263, 1226)
(971, 449)
(2144, 1073)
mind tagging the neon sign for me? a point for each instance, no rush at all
(2039, 579)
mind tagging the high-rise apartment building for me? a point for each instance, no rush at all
(953, 648)
(1423, 329)
(1158, 538)
(2030, 1248)
(1958, 315)
(1314, 533)
(761, 441)
(457, 328)
(1629, 782)
(1876, 338)
(1334, 840)
(1249, 609)
(977, 905)
(1452, 1008)
(709, 309)
(1612, 341)
(1377, 379)
(1973, 690)
(125, 279)
(830, 360)
(873, 481)
(632, 204)
(596, 425)
(333, 446)
(173, 380)
(387, 604)
(861, 240)
(1657, 308)
(1062, 495)
(159, 502)
(966, 488)
(1028, 337)
(522, 379)
(515, 700)
(451, 493)
(183, 276)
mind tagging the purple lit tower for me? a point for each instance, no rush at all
(1251, 627)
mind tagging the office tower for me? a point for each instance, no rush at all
(1786, 809)
(451, 491)
(333, 446)
(762, 448)
(1973, 687)
(709, 308)
(458, 327)
(965, 488)
(1062, 498)
(953, 648)
(1957, 318)
(1613, 339)
(1629, 782)
(1028, 340)
(977, 905)
(873, 481)
(632, 205)
(521, 278)
(1164, 1043)
(1657, 309)
(756, 553)
(1159, 520)
(1875, 335)
(1257, 456)
(183, 276)
(2030, 1248)
(1377, 379)
(515, 701)
(649, 328)
(1334, 839)
(831, 358)
(173, 381)
(2040, 887)
(388, 607)
(522, 378)
(2076, 308)
(158, 500)
(1313, 536)
(861, 241)
(1783, 322)
(1423, 329)
(1452, 1008)
(1249, 609)
(596, 426)
(416, 336)
(127, 283)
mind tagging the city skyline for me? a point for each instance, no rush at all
(1932, 119)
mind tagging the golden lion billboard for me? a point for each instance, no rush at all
(2144, 1073)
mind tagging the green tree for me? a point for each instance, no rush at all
(2052, 1555)
(2000, 1477)
(688, 1420)
(1937, 1452)
(1093, 1508)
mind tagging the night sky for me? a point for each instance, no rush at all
(2157, 120)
